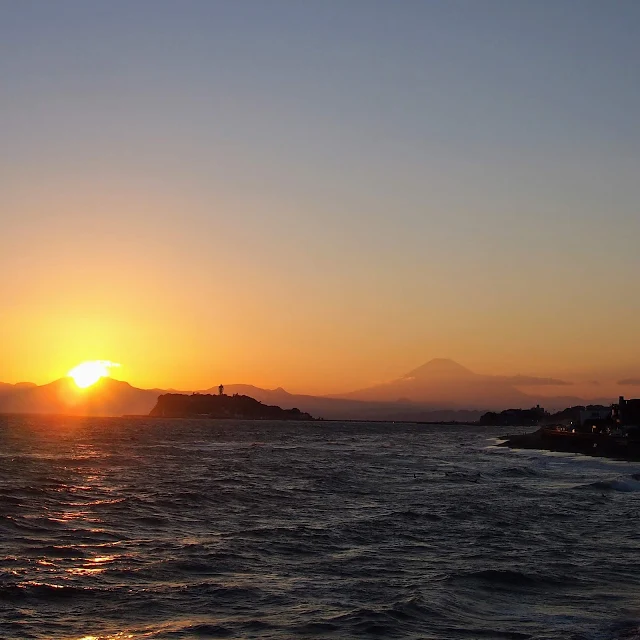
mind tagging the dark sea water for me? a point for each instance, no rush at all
(115, 528)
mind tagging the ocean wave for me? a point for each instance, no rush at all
(216, 592)
(518, 472)
(42, 525)
(368, 621)
(58, 551)
(620, 630)
(510, 578)
(624, 485)
(415, 608)
(45, 592)
(385, 621)
(200, 631)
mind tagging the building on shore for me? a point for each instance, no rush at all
(626, 413)
(595, 419)
(617, 419)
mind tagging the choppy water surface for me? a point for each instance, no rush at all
(149, 529)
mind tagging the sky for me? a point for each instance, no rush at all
(318, 195)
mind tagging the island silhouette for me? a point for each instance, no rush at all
(198, 405)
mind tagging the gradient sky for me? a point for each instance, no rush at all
(320, 194)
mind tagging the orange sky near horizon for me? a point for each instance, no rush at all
(179, 311)
(205, 335)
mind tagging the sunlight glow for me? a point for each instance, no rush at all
(88, 373)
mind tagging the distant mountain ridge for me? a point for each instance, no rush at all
(6, 388)
(107, 397)
(439, 390)
(445, 383)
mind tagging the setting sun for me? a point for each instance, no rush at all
(88, 373)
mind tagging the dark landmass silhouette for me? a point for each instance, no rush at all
(107, 397)
(537, 416)
(175, 405)
(612, 432)
(439, 391)
(6, 389)
(514, 417)
(588, 444)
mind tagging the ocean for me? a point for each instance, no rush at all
(134, 528)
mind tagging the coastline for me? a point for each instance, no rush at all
(588, 444)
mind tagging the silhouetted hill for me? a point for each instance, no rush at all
(443, 383)
(173, 405)
(108, 397)
(263, 395)
(6, 389)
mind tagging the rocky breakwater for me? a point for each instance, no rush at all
(622, 447)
